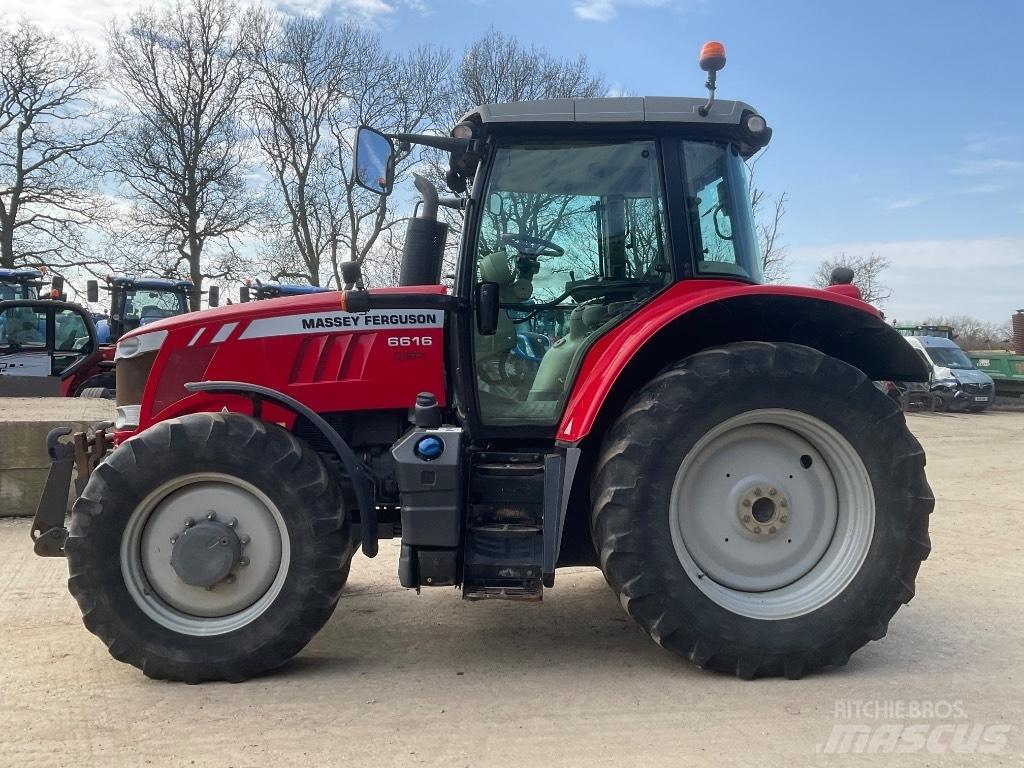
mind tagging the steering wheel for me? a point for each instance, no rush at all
(528, 245)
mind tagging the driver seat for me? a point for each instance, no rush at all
(494, 268)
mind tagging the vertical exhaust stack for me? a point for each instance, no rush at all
(1017, 321)
(425, 239)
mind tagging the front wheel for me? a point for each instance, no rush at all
(210, 547)
(761, 509)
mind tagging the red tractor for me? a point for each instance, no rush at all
(714, 445)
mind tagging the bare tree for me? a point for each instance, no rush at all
(395, 94)
(972, 333)
(867, 275)
(182, 157)
(315, 82)
(768, 214)
(51, 127)
(302, 76)
(498, 68)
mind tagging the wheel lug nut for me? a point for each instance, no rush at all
(211, 515)
(783, 503)
(189, 522)
(772, 491)
(746, 518)
(244, 561)
(174, 538)
(772, 529)
(245, 540)
(746, 502)
(757, 529)
(232, 522)
(757, 491)
(784, 519)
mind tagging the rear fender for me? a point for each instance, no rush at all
(670, 329)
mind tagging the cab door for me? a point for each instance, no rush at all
(42, 345)
(572, 238)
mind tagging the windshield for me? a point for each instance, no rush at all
(720, 216)
(9, 291)
(146, 306)
(949, 357)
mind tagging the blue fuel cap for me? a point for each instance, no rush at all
(429, 448)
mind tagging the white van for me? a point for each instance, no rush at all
(959, 385)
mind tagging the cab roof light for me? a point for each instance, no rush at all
(712, 61)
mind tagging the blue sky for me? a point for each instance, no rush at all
(899, 126)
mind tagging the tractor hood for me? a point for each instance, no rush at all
(306, 347)
(285, 306)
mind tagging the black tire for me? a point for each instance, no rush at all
(98, 393)
(632, 485)
(264, 455)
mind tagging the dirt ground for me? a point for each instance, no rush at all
(397, 679)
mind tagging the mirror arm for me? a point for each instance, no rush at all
(445, 143)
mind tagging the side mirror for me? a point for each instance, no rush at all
(243, 294)
(487, 308)
(374, 161)
(57, 285)
(213, 296)
(92, 291)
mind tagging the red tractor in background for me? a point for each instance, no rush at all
(714, 445)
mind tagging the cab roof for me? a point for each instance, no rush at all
(613, 109)
(20, 275)
(725, 119)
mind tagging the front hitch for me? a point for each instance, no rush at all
(83, 453)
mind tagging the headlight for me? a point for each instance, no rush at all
(140, 344)
(756, 124)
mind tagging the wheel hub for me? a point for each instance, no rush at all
(764, 510)
(213, 573)
(772, 512)
(206, 553)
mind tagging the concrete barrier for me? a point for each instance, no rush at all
(24, 422)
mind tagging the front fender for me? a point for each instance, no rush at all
(700, 314)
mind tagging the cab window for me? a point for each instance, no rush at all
(574, 236)
(23, 328)
(719, 208)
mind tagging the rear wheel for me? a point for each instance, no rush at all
(211, 547)
(761, 509)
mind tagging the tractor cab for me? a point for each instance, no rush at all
(577, 212)
(44, 344)
(136, 302)
(26, 282)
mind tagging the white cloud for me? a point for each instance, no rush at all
(986, 143)
(606, 10)
(983, 277)
(907, 202)
(984, 167)
(89, 19)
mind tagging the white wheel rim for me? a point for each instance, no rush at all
(147, 544)
(772, 514)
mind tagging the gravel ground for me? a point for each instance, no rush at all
(397, 679)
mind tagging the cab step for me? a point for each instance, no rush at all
(504, 544)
